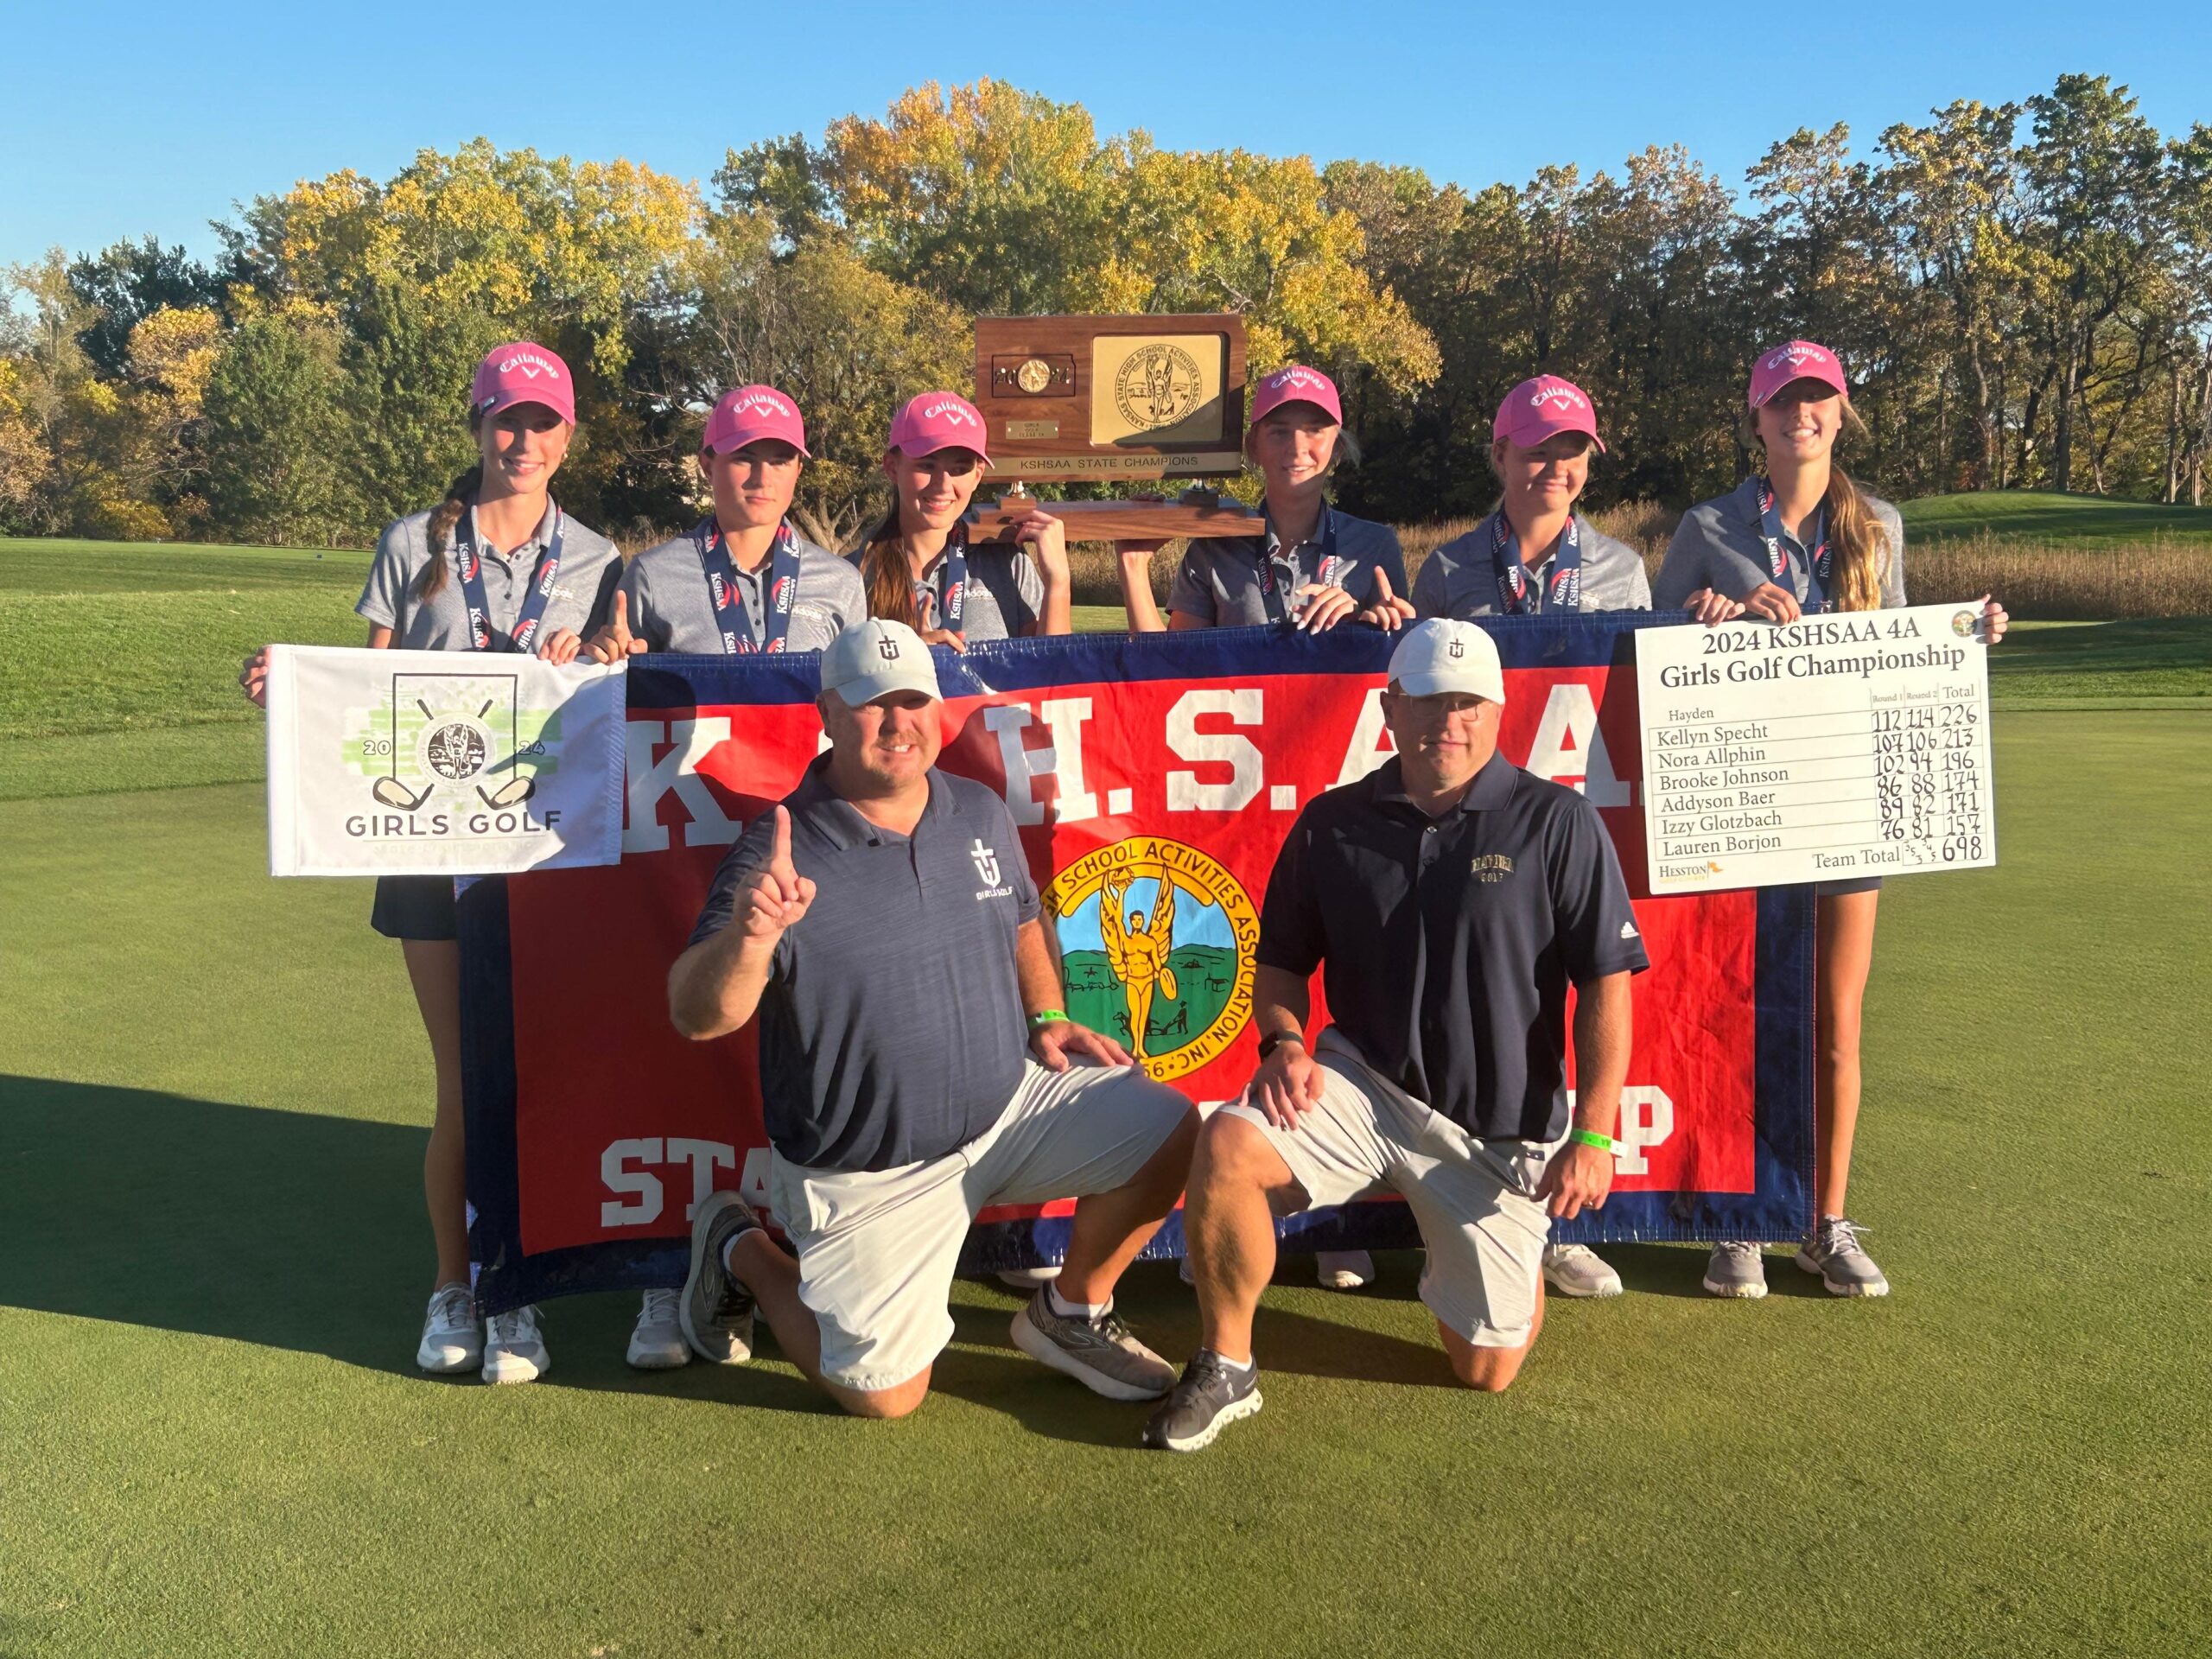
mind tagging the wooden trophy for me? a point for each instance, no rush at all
(1110, 398)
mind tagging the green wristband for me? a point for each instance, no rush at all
(1603, 1143)
(1045, 1017)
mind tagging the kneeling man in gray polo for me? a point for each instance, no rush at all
(915, 1066)
(1449, 899)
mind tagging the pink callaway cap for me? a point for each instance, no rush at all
(1800, 359)
(523, 372)
(934, 420)
(749, 414)
(1544, 407)
(1297, 384)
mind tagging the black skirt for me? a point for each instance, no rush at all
(414, 907)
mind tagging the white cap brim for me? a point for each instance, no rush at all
(867, 688)
(1415, 683)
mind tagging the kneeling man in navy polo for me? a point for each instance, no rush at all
(1449, 899)
(915, 1065)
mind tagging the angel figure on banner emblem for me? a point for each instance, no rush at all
(1137, 949)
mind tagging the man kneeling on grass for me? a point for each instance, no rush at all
(915, 1065)
(1449, 899)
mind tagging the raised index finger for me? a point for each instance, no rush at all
(781, 854)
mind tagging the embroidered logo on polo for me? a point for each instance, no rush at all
(1157, 943)
(986, 863)
(1492, 867)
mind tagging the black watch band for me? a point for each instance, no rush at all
(1274, 1039)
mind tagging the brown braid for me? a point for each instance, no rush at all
(458, 493)
(886, 574)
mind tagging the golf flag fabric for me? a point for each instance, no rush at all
(1154, 776)
(436, 762)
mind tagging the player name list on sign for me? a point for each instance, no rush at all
(1832, 747)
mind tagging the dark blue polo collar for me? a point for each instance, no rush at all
(1492, 786)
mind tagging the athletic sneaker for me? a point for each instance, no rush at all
(453, 1332)
(1210, 1397)
(514, 1349)
(1029, 1278)
(1578, 1270)
(657, 1342)
(1102, 1353)
(716, 1310)
(1832, 1250)
(1736, 1269)
(1344, 1269)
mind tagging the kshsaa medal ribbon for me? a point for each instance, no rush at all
(1513, 596)
(470, 564)
(1816, 569)
(723, 592)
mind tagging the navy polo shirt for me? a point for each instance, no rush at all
(1447, 944)
(891, 1029)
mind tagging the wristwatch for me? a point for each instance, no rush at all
(1274, 1039)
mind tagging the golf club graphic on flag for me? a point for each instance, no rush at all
(460, 729)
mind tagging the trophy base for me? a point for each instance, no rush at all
(1197, 513)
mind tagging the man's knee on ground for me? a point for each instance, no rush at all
(1487, 1370)
(883, 1404)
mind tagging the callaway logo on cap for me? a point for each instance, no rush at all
(753, 415)
(523, 371)
(934, 420)
(1799, 359)
(1542, 407)
(1298, 384)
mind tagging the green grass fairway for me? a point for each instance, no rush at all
(213, 1100)
(2046, 516)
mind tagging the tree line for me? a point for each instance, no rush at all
(2022, 291)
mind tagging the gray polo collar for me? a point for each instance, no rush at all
(840, 822)
(1492, 785)
(1320, 536)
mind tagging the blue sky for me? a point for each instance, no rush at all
(134, 117)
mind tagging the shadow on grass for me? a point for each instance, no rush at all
(298, 1231)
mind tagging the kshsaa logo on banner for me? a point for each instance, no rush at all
(415, 763)
(1157, 941)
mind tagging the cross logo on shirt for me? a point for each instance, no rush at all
(987, 862)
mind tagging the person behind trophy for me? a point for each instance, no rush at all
(495, 567)
(1314, 566)
(1533, 555)
(917, 564)
(1804, 539)
(742, 580)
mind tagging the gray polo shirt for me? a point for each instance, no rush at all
(892, 1028)
(671, 610)
(1459, 580)
(582, 590)
(1719, 545)
(1219, 581)
(1006, 595)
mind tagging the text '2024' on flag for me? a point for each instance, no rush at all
(431, 763)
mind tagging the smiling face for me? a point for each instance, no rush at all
(522, 447)
(752, 485)
(1801, 422)
(1443, 740)
(935, 489)
(1293, 445)
(1545, 479)
(883, 748)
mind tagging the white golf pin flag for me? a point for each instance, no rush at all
(441, 763)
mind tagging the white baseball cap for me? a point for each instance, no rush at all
(875, 657)
(1439, 656)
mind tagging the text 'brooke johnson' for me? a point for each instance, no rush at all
(1767, 653)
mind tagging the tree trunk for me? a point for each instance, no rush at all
(2173, 431)
(2062, 443)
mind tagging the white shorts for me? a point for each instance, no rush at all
(1475, 1201)
(877, 1249)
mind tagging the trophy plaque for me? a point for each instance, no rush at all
(1109, 399)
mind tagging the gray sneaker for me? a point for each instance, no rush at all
(1736, 1269)
(717, 1311)
(1209, 1398)
(1101, 1354)
(1832, 1250)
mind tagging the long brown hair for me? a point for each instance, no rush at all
(439, 531)
(886, 574)
(1862, 551)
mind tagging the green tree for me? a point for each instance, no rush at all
(278, 441)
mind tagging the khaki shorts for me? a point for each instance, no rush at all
(1475, 1201)
(877, 1249)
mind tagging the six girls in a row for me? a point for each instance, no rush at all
(499, 567)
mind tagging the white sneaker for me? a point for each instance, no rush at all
(657, 1341)
(453, 1335)
(1578, 1270)
(1344, 1269)
(514, 1351)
